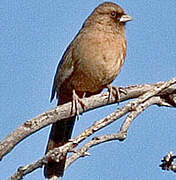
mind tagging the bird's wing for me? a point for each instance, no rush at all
(64, 70)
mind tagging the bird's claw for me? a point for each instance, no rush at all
(75, 104)
(115, 91)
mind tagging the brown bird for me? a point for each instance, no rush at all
(90, 63)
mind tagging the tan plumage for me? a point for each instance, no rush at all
(90, 63)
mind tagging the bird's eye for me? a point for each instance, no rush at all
(113, 14)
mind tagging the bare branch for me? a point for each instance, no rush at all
(22, 171)
(162, 94)
(64, 111)
(121, 135)
(168, 162)
(57, 153)
(139, 109)
(82, 152)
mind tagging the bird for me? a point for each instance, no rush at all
(89, 64)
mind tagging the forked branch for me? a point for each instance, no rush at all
(161, 94)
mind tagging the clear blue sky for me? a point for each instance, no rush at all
(33, 37)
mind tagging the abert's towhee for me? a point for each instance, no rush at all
(91, 62)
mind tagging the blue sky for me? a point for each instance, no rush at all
(33, 37)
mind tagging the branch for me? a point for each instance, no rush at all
(64, 111)
(168, 162)
(152, 96)
(121, 135)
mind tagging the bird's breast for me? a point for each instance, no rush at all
(98, 61)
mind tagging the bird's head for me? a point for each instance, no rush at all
(108, 14)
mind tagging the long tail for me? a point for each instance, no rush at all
(59, 135)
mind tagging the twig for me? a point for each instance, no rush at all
(63, 111)
(57, 153)
(168, 162)
(147, 94)
(82, 152)
(121, 135)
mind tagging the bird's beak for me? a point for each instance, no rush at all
(125, 18)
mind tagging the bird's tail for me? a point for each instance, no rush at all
(59, 135)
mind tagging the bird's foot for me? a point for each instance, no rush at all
(75, 104)
(115, 91)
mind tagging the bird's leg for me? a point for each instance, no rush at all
(76, 102)
(115, 91)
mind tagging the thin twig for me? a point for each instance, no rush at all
(168, 162)
(58, 152)
(147, 94)
(63, 111)
(121, 135)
